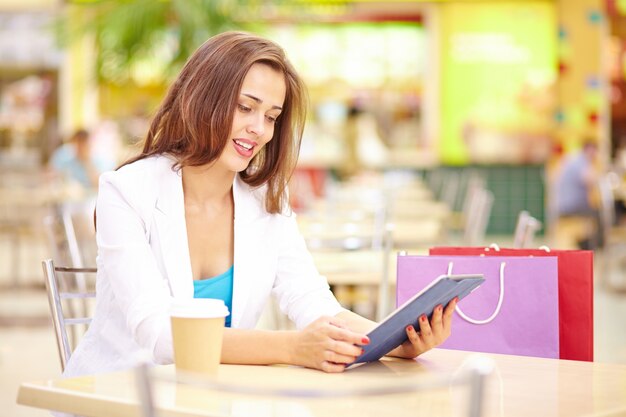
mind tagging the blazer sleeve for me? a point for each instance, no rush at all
(138, 290)
(302, 293)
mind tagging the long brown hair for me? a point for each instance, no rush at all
(194, 120)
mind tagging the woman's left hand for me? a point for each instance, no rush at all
(430, 334)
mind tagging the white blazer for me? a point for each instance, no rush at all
(143, 263)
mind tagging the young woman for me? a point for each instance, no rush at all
(203, 211)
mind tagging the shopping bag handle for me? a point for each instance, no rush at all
(496, 248)
(498, 307)
(493, 246)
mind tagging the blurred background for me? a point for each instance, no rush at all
(430, 123)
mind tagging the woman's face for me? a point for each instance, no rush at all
(259, 104)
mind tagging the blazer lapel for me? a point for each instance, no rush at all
(248, 209)
(172, 230)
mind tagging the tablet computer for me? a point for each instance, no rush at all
(391, 332)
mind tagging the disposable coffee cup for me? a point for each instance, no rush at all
(197, 332)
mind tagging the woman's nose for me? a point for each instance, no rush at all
(257, 126)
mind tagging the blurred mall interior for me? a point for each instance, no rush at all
(449, 123)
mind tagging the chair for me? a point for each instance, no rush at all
(434, 181)
(606, 189)
(62, 295)
(613, 235)
(478, 214)
(451, 189)
(433, 393)
(473, 184)
(71, 233)
(525, 230)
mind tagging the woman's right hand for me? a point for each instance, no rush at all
(327, 344)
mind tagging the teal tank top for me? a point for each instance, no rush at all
(220, 287)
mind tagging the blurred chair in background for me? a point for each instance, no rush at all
(477, 216)
(62, 295)
(71, 233)
(525, 230)
(435, 181)
(72, 241)
(614, 235)
(451, 188)
(472, 204)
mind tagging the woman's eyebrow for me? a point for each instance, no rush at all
(258, 100)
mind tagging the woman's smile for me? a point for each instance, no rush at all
(244, 147)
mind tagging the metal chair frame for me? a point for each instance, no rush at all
(70, 233)
(55, 299)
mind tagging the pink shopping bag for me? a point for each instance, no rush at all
(515, 311)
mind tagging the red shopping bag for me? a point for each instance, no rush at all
(575, 294)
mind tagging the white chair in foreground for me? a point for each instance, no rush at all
(62, 293)
(403, 392)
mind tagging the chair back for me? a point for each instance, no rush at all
(451, 189)
(64, 299)
(478, 215)
(473, 185)
(71, 233)
(606, 186)
(525, 229)
(460, 393)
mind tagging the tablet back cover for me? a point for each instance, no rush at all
(391, 332)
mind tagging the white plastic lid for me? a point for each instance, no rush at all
(198, 308)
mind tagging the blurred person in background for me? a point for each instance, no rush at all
(576, 183)
(75, 161)
(202, 212)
